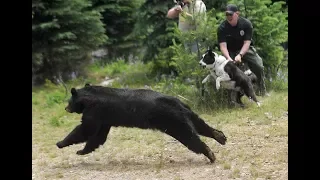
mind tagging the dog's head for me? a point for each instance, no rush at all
(208, 58)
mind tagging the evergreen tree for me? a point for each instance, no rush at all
(153, 28)
(119, 18)
(64, 32)
(218, 5)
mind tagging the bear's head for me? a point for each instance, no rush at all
(75, 103)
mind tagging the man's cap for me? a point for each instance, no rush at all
(231, 8)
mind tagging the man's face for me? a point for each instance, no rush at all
(231, 16)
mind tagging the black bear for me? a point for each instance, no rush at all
(104, 107)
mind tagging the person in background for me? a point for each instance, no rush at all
(187, 14)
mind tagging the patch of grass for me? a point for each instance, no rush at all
(52, 155)
(59, 175)
(268, 176)
(177, 178)
(111, 69)
(226, 165)
(55, 98)
(236, 173)
(277, 130)
(254, 172)
(43, 163)
(272, 105)
(55, 121)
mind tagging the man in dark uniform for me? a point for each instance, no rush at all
(234, 38)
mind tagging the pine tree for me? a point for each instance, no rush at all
(218, 5)
(153, 28)
(119, 18)
(64, 32)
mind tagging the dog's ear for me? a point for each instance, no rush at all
(87, 85)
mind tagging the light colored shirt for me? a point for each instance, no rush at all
(198, 10)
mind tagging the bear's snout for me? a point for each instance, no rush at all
(67, 109)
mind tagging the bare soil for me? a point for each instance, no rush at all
(253, 151)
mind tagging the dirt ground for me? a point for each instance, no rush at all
(253, 151)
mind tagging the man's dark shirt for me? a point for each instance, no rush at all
(235, 36)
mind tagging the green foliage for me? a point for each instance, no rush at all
(117, 68)
(56, 96)
(119, 18)
(111, 69)
(55, 121)
(137, 75)
(219, 5)
(63, 34)
(153, 28)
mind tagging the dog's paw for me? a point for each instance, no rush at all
(258, 104)
(217, 86)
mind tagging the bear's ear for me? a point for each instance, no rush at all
(73, 91)
(87, 85)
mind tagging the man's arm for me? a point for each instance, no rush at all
(246, 41)
(174, 12)
(224, 50)
(247, 38)
(245, 47)
(223, 43)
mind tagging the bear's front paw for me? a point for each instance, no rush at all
(60, 144)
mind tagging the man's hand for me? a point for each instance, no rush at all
(230, 59)
(238, 58)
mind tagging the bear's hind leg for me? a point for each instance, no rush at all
(191, 140)
(205, 130)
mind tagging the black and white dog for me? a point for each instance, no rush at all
(223, 70)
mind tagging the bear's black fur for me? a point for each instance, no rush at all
(104, 107)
